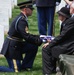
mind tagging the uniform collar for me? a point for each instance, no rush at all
(24, 16)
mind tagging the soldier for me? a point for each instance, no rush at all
(45, 13)
(18, 37)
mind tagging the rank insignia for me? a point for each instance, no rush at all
(26, 29)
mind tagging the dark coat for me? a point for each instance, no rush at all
(18, 31)
(64, 43)
(12, 49)
(62, 25)
(46, 3)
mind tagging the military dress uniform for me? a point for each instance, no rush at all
(17, 39)
(45, 14)
(62, 44)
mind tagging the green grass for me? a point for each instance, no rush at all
(33, 28)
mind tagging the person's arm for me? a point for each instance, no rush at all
(67, 31)
(68, 2)
(33, 39)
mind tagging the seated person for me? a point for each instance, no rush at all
(63, 16)
(62, 44)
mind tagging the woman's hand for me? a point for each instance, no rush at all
(48, 41)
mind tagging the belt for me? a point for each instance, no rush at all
(15, 39)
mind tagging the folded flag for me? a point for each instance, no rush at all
(46, 38)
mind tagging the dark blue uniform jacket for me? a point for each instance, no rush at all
(46, 3)
(18, 31)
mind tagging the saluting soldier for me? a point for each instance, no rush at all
(18, 37)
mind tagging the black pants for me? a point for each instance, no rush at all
(49, 62)
(30, 52)
(49, 57)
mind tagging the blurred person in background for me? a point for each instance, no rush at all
(45, 14)
(69, 2)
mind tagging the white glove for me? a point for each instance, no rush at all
(34, 5)
(46, 38)
(57, 3)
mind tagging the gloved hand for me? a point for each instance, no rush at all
(46, 38)
(57, 3)
(34, 5)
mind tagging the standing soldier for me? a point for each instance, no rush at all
(18, 37)
(45, 12)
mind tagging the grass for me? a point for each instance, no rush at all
(33, 28)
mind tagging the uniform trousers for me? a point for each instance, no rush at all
(14, 66)
(30, 51)
(45, 16)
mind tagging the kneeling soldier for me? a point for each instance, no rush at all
(17, 35)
